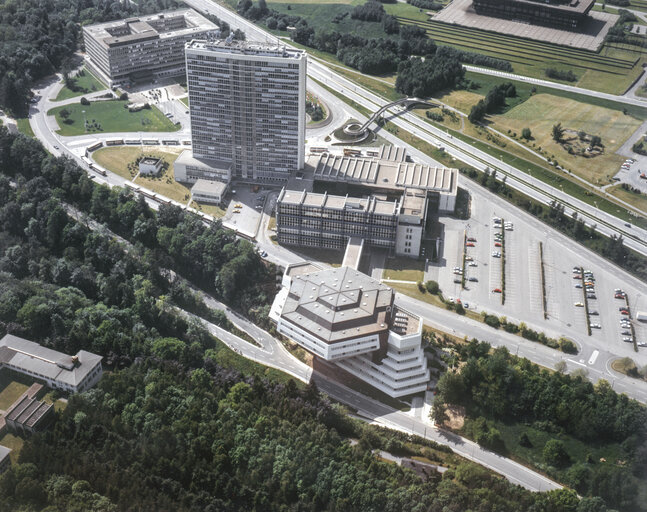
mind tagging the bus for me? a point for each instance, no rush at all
(114, 142)
(92, 148)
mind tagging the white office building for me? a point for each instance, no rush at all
(247, 103)
(347, 318)
(143, 48)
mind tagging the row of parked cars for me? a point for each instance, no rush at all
(585, 280)
(625, 316)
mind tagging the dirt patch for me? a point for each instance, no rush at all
(456, 415)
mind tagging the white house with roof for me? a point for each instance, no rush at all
(59, 371)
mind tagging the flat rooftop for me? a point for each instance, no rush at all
(247, 48)
(149, 160)
(576, 6)
(45, 362)
(185, 22)
(414, 203)
(403, 322)
(4, 452)
(188, 158)
(338, 304)
(381, 174)
(209, 187)
(589, 36)
(370, 204)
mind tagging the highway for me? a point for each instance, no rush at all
(634, 237)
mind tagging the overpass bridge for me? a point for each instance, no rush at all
(357, 130)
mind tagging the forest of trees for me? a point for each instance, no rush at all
(38, 38)
(494, 100)
(373, 56)
(422, 78)
(494, 385)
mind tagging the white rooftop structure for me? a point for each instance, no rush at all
(58, 370)
(348, 318)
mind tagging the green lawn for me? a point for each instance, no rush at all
(24, 127)
(84, 84)
(185, 100)
(110, 116)
(610, 70)
(10, 391)
(404, 269)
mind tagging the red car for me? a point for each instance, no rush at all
(497, 244)
(619, 296)
(577, 277)
(469, 244)
(626, 313)
(497, 290)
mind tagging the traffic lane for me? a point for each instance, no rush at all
(398, 420)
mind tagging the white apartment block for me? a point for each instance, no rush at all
(345, 317)
(147, 47)
(247, 103)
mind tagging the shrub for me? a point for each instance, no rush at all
(85, 101)
(555, 453)
(526, 134)
(432, 287)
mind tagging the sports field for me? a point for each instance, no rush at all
(110, 116)
(540, 112)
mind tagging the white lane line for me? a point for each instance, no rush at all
(594, 356)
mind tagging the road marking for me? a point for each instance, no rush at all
(594, 356)
(576, 362)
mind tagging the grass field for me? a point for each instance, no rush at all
(542, 111)
(209, 209)
(110, 116)
(637, 200)
(86, 83)
(15, 443)
(185, 100)
(610, 70)
(24, 127)
(9, 393)
(404, 269)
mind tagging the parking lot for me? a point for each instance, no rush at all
(631, 173)
(245, 207)
(524, 291)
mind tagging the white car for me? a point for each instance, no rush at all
(473, 264)
(496, 254)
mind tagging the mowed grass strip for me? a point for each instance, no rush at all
(404, 269)
(110, 116)
(542, 111)
(85, 84)
(637, 200)
(538, 49)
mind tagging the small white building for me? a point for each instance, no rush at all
(150, 166)
(59, 371)
(345, 317)
(205, 191)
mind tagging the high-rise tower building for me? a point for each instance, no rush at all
(247, 103)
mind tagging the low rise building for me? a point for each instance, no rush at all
(562, 14)
(323, 220)
(150, 166)
(189, 168)
(59, 371)
(345, 317)
(205, 191)
(145, 47)
(5, 458)
(29, 415)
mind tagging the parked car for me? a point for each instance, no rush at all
(497, 290)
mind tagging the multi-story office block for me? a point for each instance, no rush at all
(321, 220)
(562, 14)
(143, 48)
(247, 103)
(347, 318)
